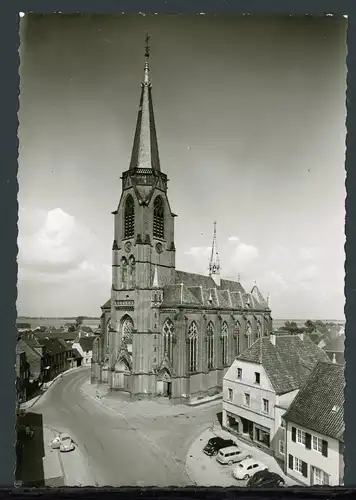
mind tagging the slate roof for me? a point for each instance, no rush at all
(288, 363)
(56, 334)
(319, 405)
(192, 279)
(54, 346)
(86, 343)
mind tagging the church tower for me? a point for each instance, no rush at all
(143, 254)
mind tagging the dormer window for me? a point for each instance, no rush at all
(239, 373)
(257, 378)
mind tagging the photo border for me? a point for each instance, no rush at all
(9, 35)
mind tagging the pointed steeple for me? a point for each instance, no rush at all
(214, 264)
(145, 146)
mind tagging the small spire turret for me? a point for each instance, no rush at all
(214, 264)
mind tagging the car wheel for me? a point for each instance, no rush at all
(280, 483)
(246, 476)
(215, 453)
(248, 456)
(229, 462)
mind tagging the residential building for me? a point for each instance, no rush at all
(315, 429)
(84, 346)
(261, 384)
(164, 331)
(28, 344)
(56, 357)
(75, 359)
(22, 375)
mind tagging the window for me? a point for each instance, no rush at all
(257, 378)
(230, 394)
(239, 373)
(210, 345)
(320, 477)
(168, 333)
(127, 327)
(283, 423)
(258, 329)
(129, 217)
(317, 444)
(193, 347)
(158, 218)
(248, 333)
(237, 339)
(247, 399)
(300, 437)
(281, 447)
(224, 351)
(265, 405)
(298, 465)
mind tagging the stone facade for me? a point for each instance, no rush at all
(165, 332)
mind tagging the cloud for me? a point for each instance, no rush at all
(199, 252)
(307, 253)
(245, 254)
(233, 238)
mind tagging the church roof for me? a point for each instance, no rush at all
(145, 145)
(192, 279)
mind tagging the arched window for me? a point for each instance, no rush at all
(248, 333)
(266, 326)
(210, 345)
(132, 270)
(108, 330)
(237, 338)
(123, 271)
(258, 329)
(168, 333)
(129, 217)
(193, 347)
(224, 352)
(127, 327)
(158, 218)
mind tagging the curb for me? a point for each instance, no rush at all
(25, 406)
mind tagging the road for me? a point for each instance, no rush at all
(134, 451)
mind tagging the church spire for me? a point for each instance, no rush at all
(214, 264)
(145, 146)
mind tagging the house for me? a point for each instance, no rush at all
(334, 348)
(22, 375)
(28, 344)
(23, 327)
(84, 346)
(76, 359)
(261, 384)
(69, 336)
(56, 357)
(315, 428)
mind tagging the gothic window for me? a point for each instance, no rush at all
(168, 333)
(193, 347)
(132, 271)
(127, 327)
(210, 344)
(108, 329)
(129, 217)
(224, 351)
(237, 338)
(123, 270)
(258, 329)
(248, 333)
(266, 323)
(158, 218)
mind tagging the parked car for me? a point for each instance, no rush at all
(265, 479)
(215, 444)
(25, 431)
(231, 455)
(247, 468)
(63, 442)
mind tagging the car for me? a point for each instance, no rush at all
(215, 444)
(231, 455)
(265, 479)
(63, 443)
(247, 468)
(25, 431)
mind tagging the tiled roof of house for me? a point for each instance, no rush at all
(33, 356)
(288, 363)
(54, 346)
(335, 344)
(56, 334)
(76, 354)
(319, 405)
(86, 343)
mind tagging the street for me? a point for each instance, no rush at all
(137, 450)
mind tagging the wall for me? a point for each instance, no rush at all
(329, 464)
(282, 404)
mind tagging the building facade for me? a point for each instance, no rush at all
(315, 429)
(261, 385)
(163, 331)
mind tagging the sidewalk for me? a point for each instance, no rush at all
(121, 403)
(206, 471)
(31, 402)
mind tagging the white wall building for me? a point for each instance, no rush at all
(315, 428)
(84, 346)
(261, 384)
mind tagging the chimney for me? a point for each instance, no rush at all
(272, 338)
(334, 359)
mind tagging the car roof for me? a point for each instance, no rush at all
(250, 461)
(230, 448)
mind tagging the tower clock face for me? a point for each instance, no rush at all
(128, 247)
(159, 248)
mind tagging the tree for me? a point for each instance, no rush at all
(79, 320)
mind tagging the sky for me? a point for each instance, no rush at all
(250, 116)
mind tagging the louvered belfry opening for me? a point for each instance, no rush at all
(129, 217)
(158, 218)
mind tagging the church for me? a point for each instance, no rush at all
(166, 332)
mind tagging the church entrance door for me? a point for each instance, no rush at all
(167, 389)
